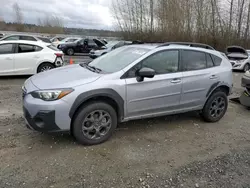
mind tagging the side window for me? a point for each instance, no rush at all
(25, 48)
(38, 48)
(162, 62)
(193, 60)
(12, 38)
(27, 38)
(6, 49)
(81, 42)
(210, 62)
(217, 60)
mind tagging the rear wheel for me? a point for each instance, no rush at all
(45, 67)
(70, 51)
(246, 67)
(216, 107)
(94, 123)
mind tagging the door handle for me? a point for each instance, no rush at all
(213, 77)
(176, 81)
(8, 58)
(36, 56)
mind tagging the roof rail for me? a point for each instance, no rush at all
(191, 44)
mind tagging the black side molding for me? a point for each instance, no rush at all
(110, 93)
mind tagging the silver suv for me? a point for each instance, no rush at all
(131, 82)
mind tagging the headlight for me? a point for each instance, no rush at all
(51, 95)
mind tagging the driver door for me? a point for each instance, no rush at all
(158, 95)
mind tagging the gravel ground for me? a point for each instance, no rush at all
(171, 151)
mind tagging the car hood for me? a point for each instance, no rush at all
(99, 43)
(236, 52)
(64, 77)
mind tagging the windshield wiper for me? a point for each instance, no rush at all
(91, 68)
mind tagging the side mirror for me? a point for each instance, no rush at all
(145, 73)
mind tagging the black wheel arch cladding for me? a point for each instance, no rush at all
(215, 86)
(110, 93)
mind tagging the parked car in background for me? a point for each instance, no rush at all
(131, 82)
(21, 57)
(81, 46)
(1, 35)
(56, 39)
(66, 40)
(238, 57)
(94, 53)
(25, 37)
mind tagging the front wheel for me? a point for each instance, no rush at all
(216, 107)
(94, 123)
(45, 67)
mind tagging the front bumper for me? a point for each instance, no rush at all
(93, 56)
(46, 116)
(237, 66)
(43, 121)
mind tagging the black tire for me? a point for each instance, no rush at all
(246, 67)
(83, 136)
(45, 67)
(70, 51)
(210, 112)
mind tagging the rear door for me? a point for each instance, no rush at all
(7, 59)
(26, 58)
(199, 76)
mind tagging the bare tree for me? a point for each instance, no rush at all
(18, 17)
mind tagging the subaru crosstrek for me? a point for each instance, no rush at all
(131, 82)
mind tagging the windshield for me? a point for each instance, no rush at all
(118, 59)
(111, 44)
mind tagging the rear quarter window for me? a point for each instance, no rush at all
(53, 48)
(217, 60)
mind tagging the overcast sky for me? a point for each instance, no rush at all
(93, 14)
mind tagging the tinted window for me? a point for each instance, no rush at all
(209, 61)
(6, 49)
(163, 62)
(44, 39)
(38, 48)
(217, 60)
(12, 38)
(27, 38)
(193, 60)
(25, 48)
(53, 48)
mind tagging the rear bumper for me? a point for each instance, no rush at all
(245, 99)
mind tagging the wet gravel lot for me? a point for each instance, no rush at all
(170, 151)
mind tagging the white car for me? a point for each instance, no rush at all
(68, 39)
(28, 57)
(106, 47)
(25, 37)
(239, 58)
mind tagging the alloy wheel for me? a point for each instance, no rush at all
(217, 107)
(96, 124)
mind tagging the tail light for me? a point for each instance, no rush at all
(58, 54)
